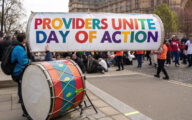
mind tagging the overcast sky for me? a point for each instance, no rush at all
(45, 6)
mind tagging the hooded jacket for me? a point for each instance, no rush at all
(19, 56)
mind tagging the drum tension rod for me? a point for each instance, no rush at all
(50, 85)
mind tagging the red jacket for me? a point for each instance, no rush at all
(139, 52)
(175, 45)
(169, 48)
(119, 53)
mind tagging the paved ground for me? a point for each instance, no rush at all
(156, 98)
(11, 110)
(181, 73)
(4, 77)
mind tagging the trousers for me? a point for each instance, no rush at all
(160, 68)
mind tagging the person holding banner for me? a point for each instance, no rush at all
(48, 56)
(162, 56)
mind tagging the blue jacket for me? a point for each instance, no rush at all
(48, 56)
(19, 55)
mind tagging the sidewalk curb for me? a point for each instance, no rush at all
(7, 84)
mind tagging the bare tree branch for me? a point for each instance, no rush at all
(13, 14)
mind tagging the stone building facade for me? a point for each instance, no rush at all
(122, 6)
(182, 7)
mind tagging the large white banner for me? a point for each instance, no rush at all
(94, 32)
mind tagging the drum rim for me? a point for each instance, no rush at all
(42, 68)
(51, 87)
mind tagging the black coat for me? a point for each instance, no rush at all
(92, 66)
(80, 63)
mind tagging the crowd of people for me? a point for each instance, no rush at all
(95, 62)
(173, 50)
(92, 62)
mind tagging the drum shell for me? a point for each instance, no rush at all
(44, 66)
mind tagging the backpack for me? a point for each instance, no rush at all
(3, 45)
(6, 65)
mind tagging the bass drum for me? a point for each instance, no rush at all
(52, 88)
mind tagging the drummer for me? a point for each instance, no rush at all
(19, 56)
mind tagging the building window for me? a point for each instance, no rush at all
(158, 2)
(116, 8)
(136, 3)
(165, 1)
(88, 1)
(97, 1)
(152, 3)
(106, 9)
(121, 6)
(110, 8)
(93, 1)
(128, 5)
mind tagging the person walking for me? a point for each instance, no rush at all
(175, 45)
(119, 57)
(139, 58)
(148, 55)
(189, 50)
(162, 54)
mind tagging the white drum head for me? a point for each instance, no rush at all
(36, 93)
